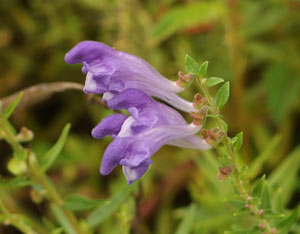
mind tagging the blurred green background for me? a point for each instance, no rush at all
(254, 44)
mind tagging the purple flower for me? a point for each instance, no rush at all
(110, 71)
(137, 137)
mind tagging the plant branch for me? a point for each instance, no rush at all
(35, 171)
(240, 184)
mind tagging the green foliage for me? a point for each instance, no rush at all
(222, 95)
(189, 15)
(16, 182)
(257, 164)
(76, 202)
(191, 66)
(258, 187)
(55, 150)
(187, 222)
(284, 225)
(203, 69)
(61, 217)
(238, 141)
(10, 109)
(17, 166)
(252, 44)
(213, 81)
(265, 197)
(283, 89)
(285, 175)
(110, 205)
(242, 210)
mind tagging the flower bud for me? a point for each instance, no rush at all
(183, 80)
(213, 136)
(224, 172)
(36, 196)
(17, 166)
(261, 226)
(261, 212)
(199, 117)
(25, 135)
(199, 101)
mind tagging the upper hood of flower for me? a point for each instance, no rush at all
(110, 70)
(139, 136)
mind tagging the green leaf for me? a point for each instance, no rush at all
(191, 66)
(254, 230)
(241, 210)
(10, 109)
(224, 125)
(285, 225)
(187, 15)
(283, 90)
(62, 219)
(20, 181)
(270, 149)
(110, 206)
(76, 202)
(285, 176)
(54, 151)
(238, 141)
(213, 81)
(203, 69)
(222, 95)
(256, 191)
(272, 213)
(187, 223)
(265, 197)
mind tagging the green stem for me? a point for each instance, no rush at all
(39, 176)
(15, 220)
(240, 185)
(9, 135)
(36, 173)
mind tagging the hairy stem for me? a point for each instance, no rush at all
(240, 184)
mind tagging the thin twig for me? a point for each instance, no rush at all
(39, 93)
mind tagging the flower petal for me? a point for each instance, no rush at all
(108, 126)
(90, 52)
(130, 98)
(133, 151)
(191, 142)
(134, 173)
(123, 71)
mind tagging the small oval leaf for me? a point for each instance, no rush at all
(203, 69)
(222, 95)
(191, 66)
(213, 81)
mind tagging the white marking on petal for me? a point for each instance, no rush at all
(90, 83)
(107, 96)
(126, 128)
(131, 175)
